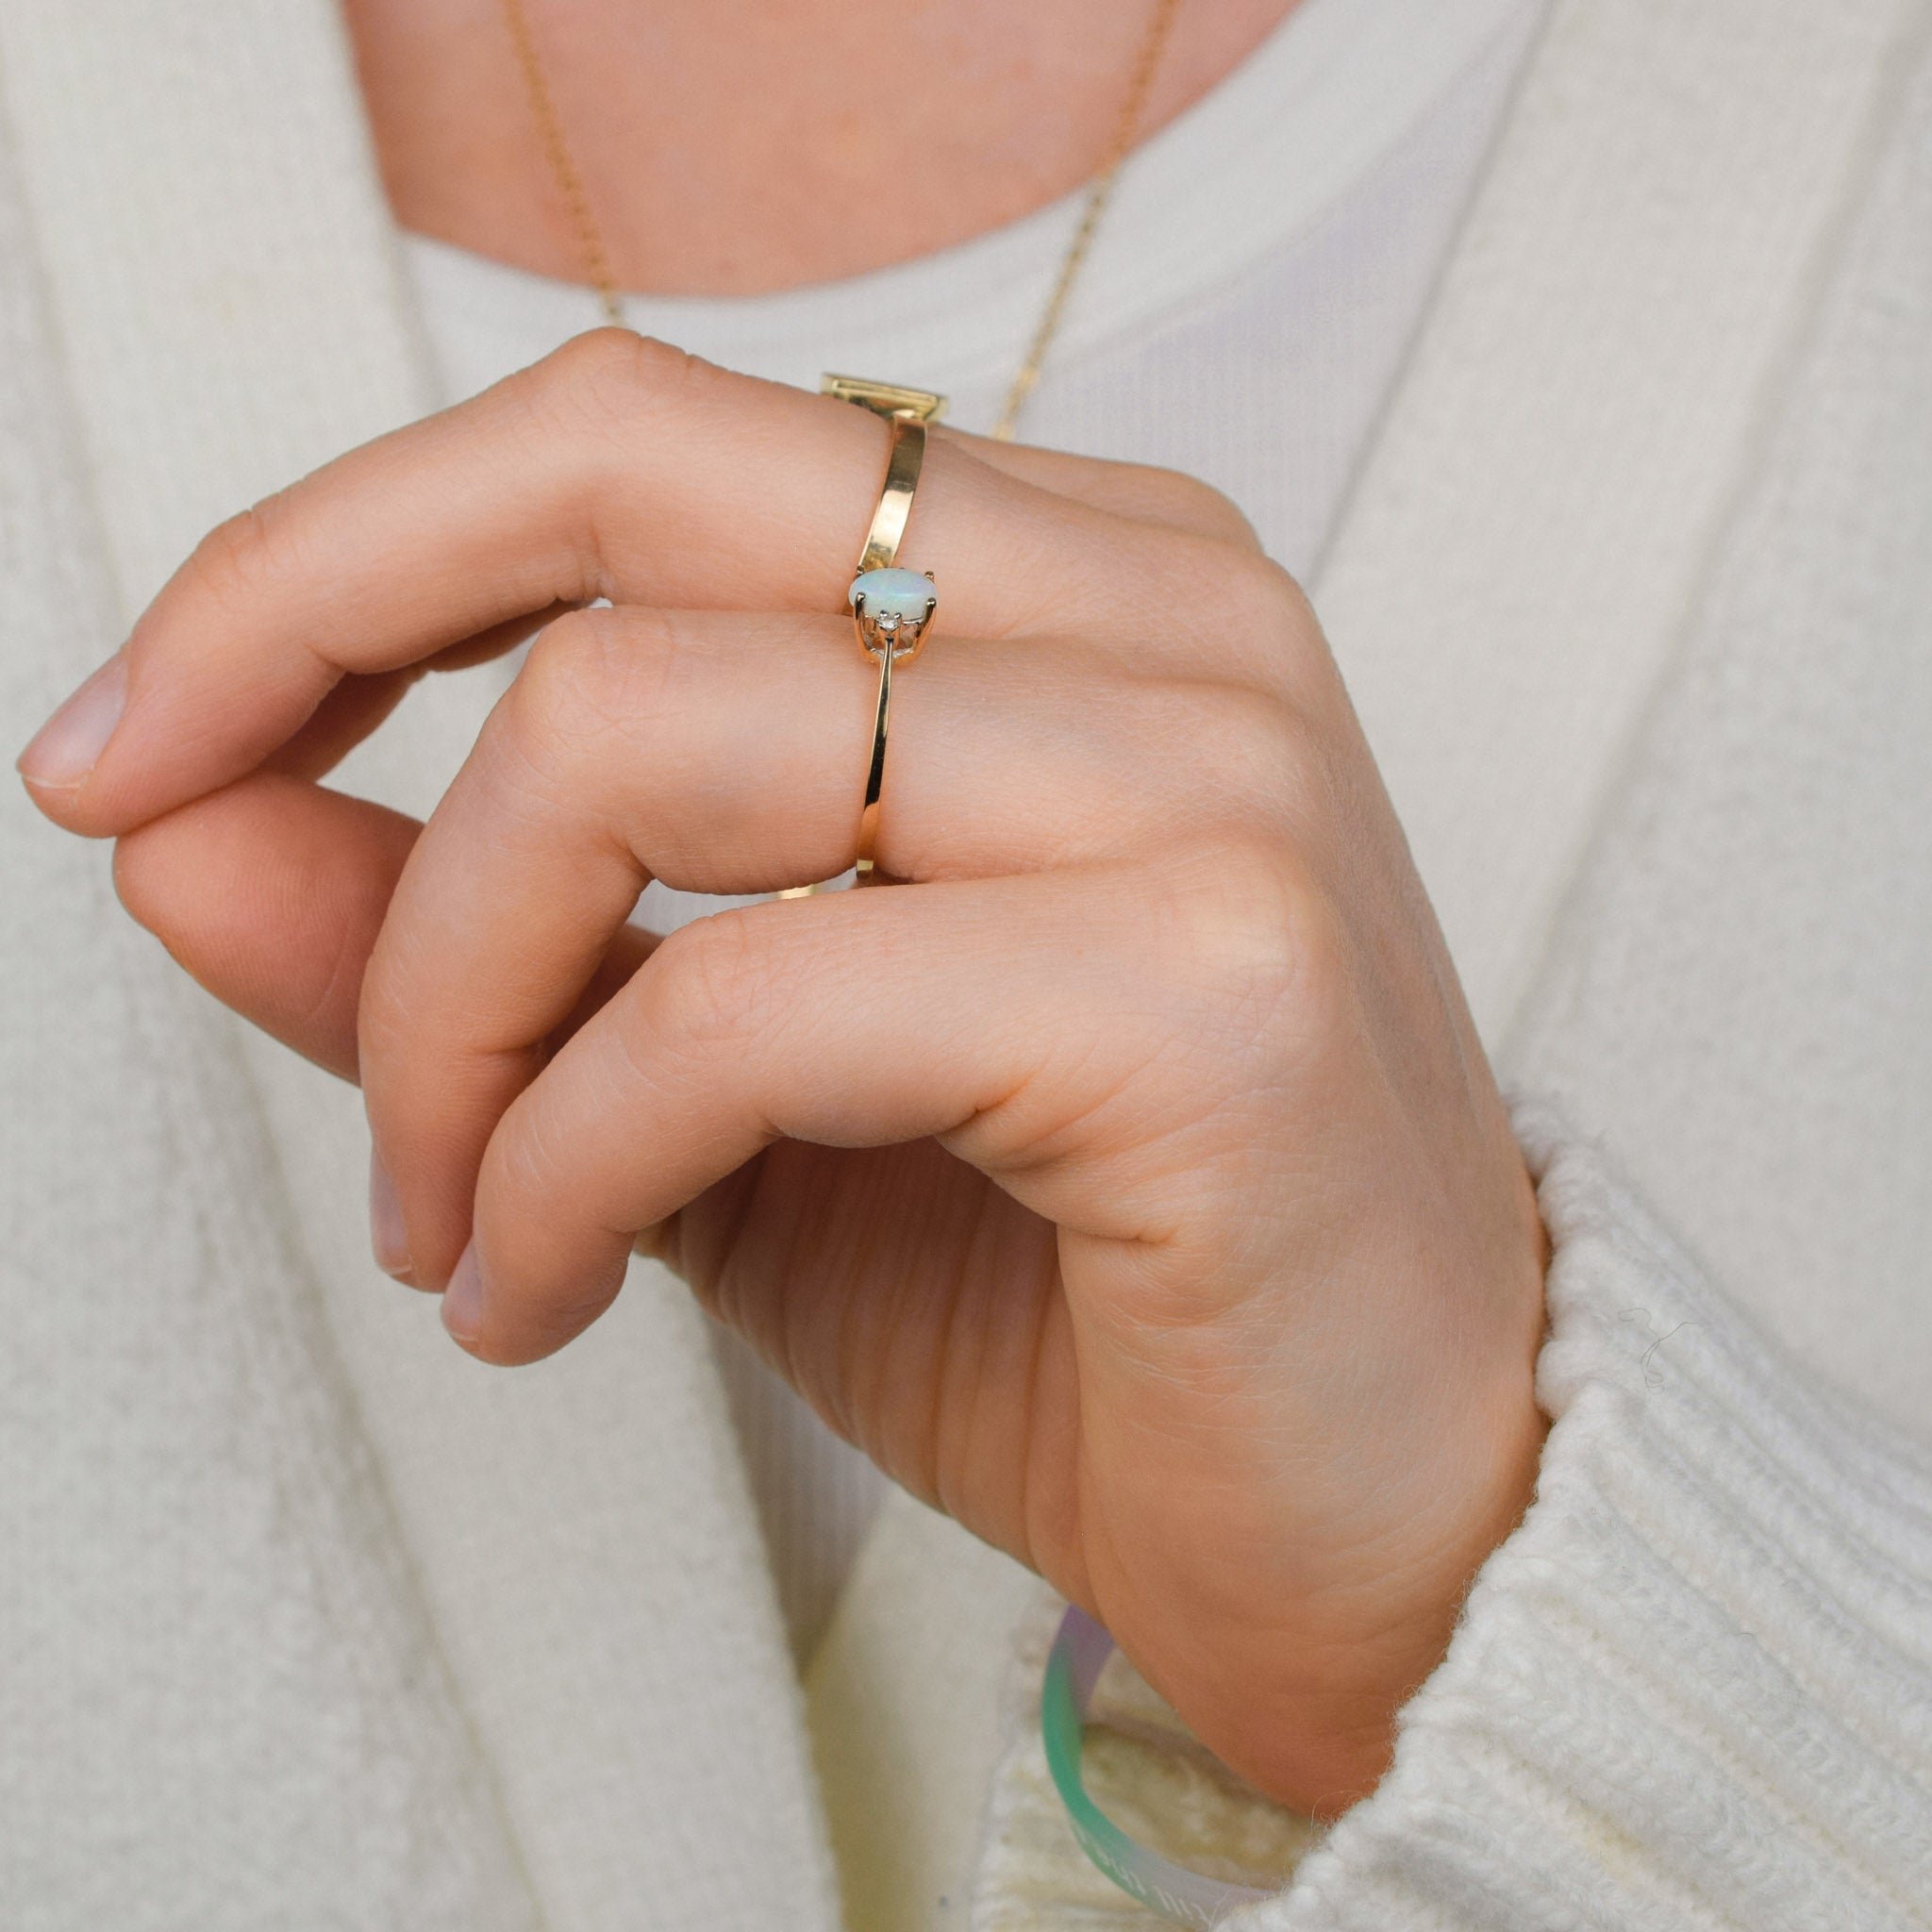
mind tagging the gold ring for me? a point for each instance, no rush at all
(892, 609)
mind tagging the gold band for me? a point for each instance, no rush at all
(898, 633)
(885, 398)
(905, 457)
(874, 776)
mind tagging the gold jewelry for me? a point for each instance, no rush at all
(596, 257)
(1099, 192)
(892, 609)
(562, 163)
(909, 410)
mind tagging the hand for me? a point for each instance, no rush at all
(1131, 1184)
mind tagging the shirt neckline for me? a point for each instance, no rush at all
(1259, 157)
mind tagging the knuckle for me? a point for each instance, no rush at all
(562, 682)
(1253, 617)
(591, 676)
(604, 395)
(1279, 764)
(1214, 766)
(617, 372)
(1260, 937)
(247, 554)
(1258, 594)
(1255, 743)
(1173, 496)
(1234, 758)
(710, 983)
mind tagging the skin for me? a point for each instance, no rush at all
(1129, 1183)
(802, 142)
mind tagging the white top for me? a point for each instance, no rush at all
(1248, 300)
(1243, 314)
(314, 1620)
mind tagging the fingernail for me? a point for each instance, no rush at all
(387, 1234)
(462, 1301)
(69, 745)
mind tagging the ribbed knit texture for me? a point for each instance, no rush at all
(1695, 1688)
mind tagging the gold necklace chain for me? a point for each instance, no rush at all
(597, 257)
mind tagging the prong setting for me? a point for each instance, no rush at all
(893, 610)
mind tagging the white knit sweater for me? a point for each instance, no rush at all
(306, 1622)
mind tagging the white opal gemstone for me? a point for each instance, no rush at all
(902, 594)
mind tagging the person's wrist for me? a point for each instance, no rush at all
(1365, 1644)
(1364, 1653)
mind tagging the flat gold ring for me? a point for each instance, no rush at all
(892, 609)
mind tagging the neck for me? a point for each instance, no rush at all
(740, 146)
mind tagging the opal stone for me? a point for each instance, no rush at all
(902, 594)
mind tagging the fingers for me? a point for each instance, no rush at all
(351, 712)
(1139, 492)
(617, 468)
(271, 894)
(358, 704)
(724, 755)
(1006, 1017)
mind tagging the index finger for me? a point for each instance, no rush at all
(616, 468)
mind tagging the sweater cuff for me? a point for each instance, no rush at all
(1695, 1687)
